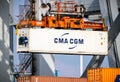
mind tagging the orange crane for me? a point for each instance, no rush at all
(63, 22)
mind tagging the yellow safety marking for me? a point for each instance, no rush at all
(16, 32)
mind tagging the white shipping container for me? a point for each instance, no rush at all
(64, 41)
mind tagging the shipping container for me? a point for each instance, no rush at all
(102, 74)
(62, 41)
(49, 79)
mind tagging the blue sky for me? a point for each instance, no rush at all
(67, 65)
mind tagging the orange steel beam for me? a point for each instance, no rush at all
(34, 23)
(64, 23)
(93, 25)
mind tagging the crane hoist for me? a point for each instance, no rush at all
(64, 22)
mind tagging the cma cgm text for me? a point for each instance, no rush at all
(69, 41)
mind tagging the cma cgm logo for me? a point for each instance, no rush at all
(64, 39)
